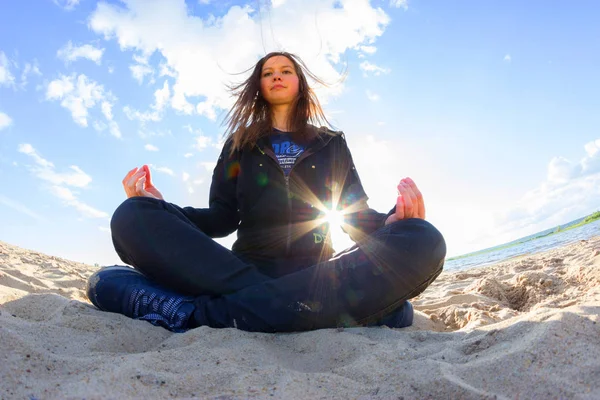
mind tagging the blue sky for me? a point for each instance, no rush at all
(492, 107)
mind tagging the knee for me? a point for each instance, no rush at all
(422, 239)
(434, 240)
(129, 214)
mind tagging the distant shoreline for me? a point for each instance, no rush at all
(579, 222)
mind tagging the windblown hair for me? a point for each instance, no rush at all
(250, 117)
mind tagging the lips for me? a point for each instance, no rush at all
(277, 87)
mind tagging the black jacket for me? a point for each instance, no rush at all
(279, 219)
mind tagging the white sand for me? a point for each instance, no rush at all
(522, 329)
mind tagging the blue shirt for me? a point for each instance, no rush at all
(286, 150)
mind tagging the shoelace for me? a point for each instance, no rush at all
(157, 309)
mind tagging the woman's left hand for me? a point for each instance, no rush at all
(409, 203)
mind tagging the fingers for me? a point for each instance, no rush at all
(410, 200)
(139, 186)
(133, 171)
(148, 176)
(132, 180)
(420, 203)
(399, 208)
(405, 198)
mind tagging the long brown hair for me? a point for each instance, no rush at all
(250, 117)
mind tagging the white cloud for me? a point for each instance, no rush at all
(188, 155)
(165, 70)
(150, 147)
(591, 162)
(164, 170)
(76, 178)
(63, 193)
(368, 49)
(79, 95)
(29, 69)
(507, 58)
(139, 71)
(277, 3)
(45, 170)
(59, 88)
(548, 205)
(104, 229)
(207, 108)
(106, 108)
(372, 96)
(147, 134)
(66, 4)
(208, 165)
(70, 199)
(114, 129)
(6, 76)
(368, 67)
(69, 53)
(161, 97)
(185, 176)
(143, 117)
(571, 190)
(203, 54)
(202, 142)
(58, 182)
(560, 170)
(19, 207)
(220, 142)
(155, 114)
(28, 149)
(99, 126)
(141, 58)
(5, 121)
(399, 4)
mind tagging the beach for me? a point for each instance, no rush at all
(523, 328)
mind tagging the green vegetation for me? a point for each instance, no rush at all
(590, 218)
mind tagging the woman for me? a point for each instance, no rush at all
(275, 181)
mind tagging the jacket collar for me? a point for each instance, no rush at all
(322, 136)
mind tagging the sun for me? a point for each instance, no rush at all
(339, 238)
(335, 219)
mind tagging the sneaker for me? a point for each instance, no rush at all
(399, 318)
(126, 291)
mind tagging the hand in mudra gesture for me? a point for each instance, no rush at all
(409, 203)
(138, 182)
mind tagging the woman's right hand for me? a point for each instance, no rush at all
(138, 182)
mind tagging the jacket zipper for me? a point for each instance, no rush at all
(286, 178)
(305, 154)
(288, 243)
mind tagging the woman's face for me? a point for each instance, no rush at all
(279, 81)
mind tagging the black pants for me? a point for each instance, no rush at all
(357, 287)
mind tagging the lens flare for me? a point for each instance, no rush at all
(335, 218)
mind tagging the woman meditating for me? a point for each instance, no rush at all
(277, 180)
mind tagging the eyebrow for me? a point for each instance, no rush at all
(285, 66)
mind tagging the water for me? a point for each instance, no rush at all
(583, 232)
